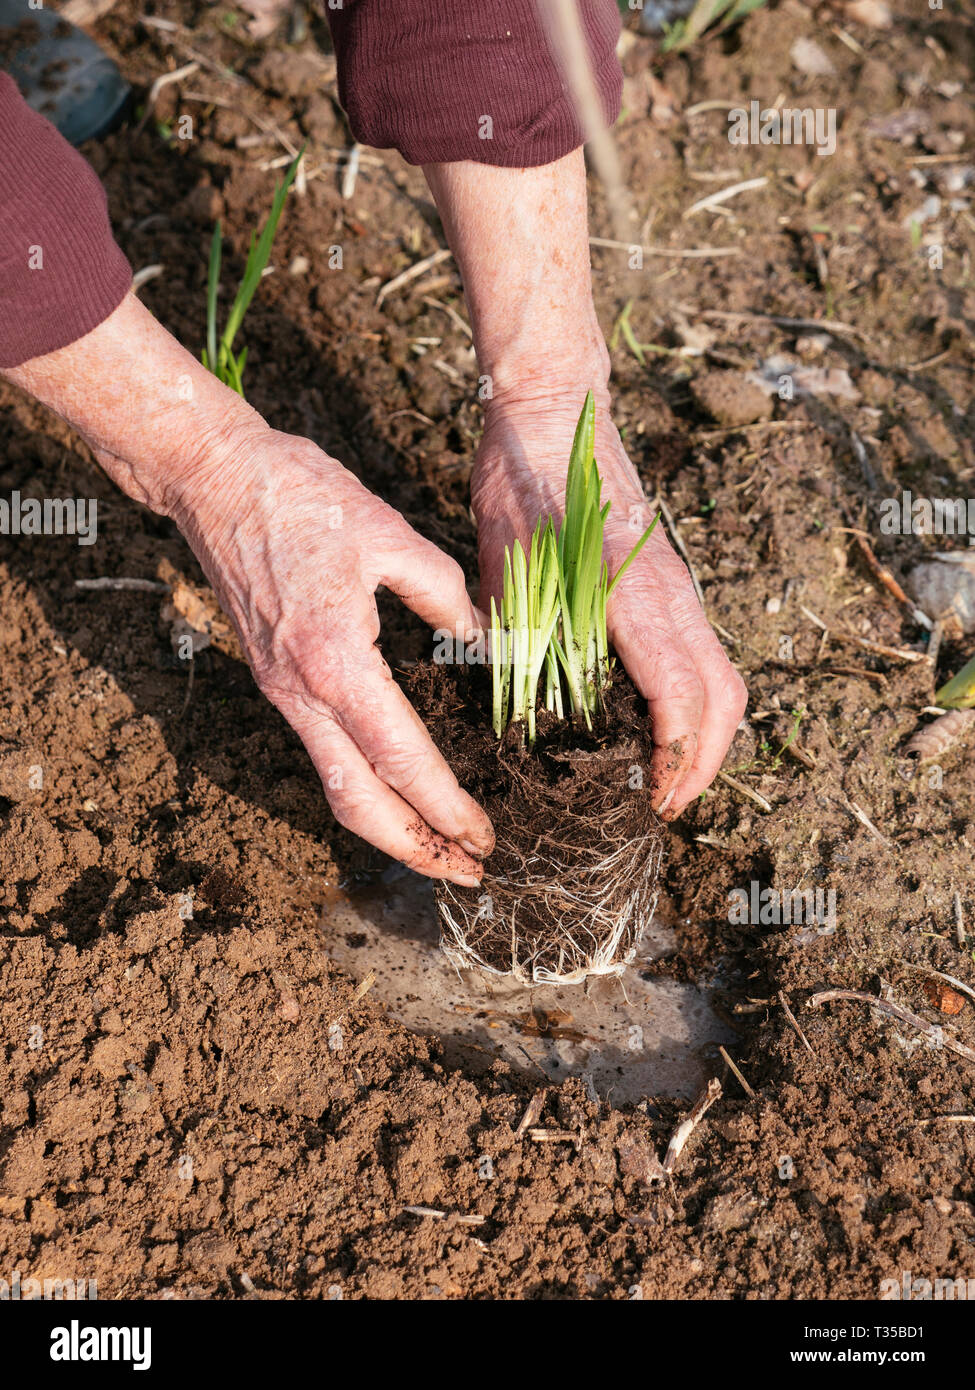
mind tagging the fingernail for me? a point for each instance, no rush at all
(466, 880)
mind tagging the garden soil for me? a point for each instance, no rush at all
(197, 1101)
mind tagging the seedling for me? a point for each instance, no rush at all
(959, 692)
(705, 13)
(218, 356)
(554, 601)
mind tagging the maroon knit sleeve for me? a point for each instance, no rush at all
(61, 272)
(446, 80)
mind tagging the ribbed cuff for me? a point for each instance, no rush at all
(444, 82)
(61, 273)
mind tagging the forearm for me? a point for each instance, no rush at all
(154, 417)
(521, 240)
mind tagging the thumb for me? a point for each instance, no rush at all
(431, 584)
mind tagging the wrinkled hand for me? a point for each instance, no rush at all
(695, 697)
(295, 548)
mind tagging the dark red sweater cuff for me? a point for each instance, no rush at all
(466, 79)
(61, 273)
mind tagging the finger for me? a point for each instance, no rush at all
(370, 808)
(725, 698)
(643, 633)
(429, 582)
(390, 734)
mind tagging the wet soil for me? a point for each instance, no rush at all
(193, 1089)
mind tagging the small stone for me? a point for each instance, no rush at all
(731, 399)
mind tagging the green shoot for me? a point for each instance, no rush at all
(554, 602)
(959, 692)
(218, 356)
(705, 13)
(624, 326)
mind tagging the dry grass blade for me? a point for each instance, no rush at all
(435, 1214)
(833, 326)
(704, 253)
(659, 503)
(163, 81)
(723, 194)
(413, 272)
(554, 1136)
(363, 987)
(740, 787)
(122, 585)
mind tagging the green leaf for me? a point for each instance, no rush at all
(959, 692)
(219, 357)
(632, 555)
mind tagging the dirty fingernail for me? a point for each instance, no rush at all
(466, 880)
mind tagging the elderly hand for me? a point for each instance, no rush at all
(694, 695)
(295, 548)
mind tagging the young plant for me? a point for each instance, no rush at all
(959, 692)
(706, 13)
(218, 356)
(553, 606)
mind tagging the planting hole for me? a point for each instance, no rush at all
(659, 1038)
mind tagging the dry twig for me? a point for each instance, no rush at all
(794, 1021)
(532, 1112)
(688, 1125)
(744, 1084)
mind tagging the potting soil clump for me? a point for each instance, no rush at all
(571, 884)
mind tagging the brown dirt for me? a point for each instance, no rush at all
(189, 1098)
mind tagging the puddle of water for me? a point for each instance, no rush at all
(629, 1037)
